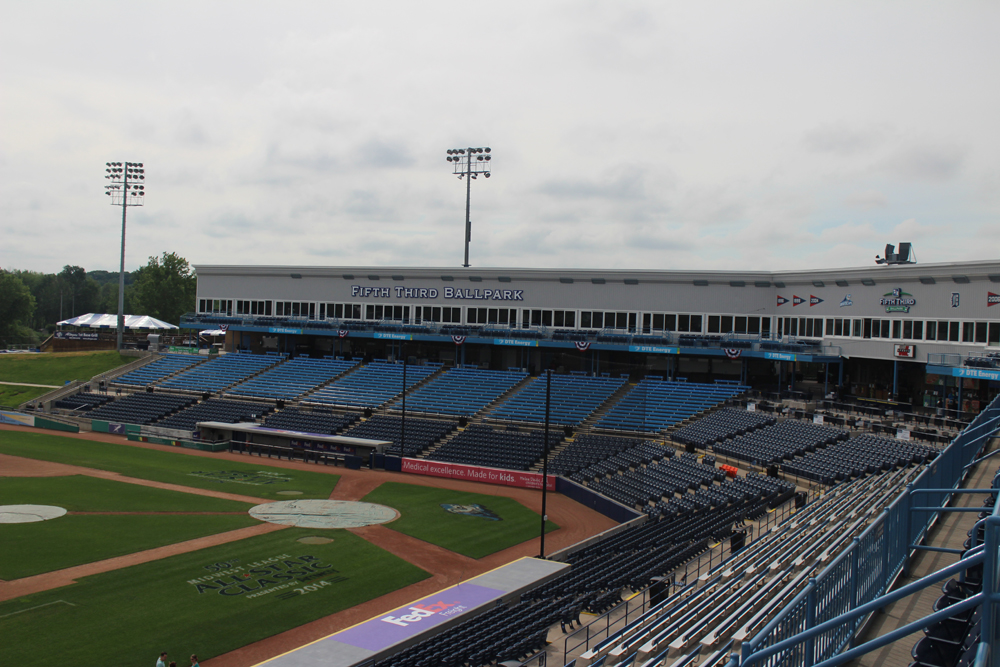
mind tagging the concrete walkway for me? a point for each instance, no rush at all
(28, 384)
(950, 531)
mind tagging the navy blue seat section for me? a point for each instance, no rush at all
(370, 386)
(573, 399)
(496, 448)
(83, 401)
(293, 378)
(462, 391)
(655, 404)
(218, 374)
(858, 456)
(420, 433)
(216, 410)
(141, 408)
(316, 421)
(721, 425)
(586, 450)
(156, 371)
(780, 442)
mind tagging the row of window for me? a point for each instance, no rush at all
(805, 327)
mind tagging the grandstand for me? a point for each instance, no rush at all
(293, 378)
(219, 374)
(462, 391)
(370, 386)
(573, 399)
(655, 404)
(164, 367)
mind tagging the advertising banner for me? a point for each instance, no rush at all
(523, 480)
(400, 624)
(77, 335)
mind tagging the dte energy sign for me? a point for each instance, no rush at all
(433, 293)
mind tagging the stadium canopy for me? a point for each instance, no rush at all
(212, 332)
(106, 321)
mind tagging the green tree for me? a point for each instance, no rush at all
(165, 288)
(16, 305)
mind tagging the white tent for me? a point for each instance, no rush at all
(106, 321)
(212, 332)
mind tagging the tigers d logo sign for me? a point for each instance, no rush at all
(471, 510)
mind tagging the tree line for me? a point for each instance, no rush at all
(32, 302)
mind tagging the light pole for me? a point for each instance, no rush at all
(467, 168)
(126, 188)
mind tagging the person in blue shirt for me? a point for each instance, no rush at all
(162, 662)
(194, 661)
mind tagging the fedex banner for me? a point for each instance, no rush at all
(524, 480)
(400, 624)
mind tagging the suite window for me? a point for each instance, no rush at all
(953, 332)
(918, 330)
(908, 329)
(727, 324)
(897, 331)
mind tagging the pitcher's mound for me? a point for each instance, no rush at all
(29, 513)
(323, 513)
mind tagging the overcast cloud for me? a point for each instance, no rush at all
(715, 135)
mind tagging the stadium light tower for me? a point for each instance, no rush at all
(467, 168)
(126, 188)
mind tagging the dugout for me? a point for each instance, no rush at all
(249, 436)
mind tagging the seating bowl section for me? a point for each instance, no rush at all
(587, 450)
(293, 378)
(218, 374)
(721, 425)
(641, 485)
(780, 442)
(82, 402)
(370, 386)
(156, 371)
(509, 448)
(656, 404)
(141, 408)
(420, 433)
(573, 399)
(462, 391)
(316, 421)
(216, 410)
(865, 454)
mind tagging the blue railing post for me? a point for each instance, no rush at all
(855, 572)
(907, 503)
(990, 586)
(810, 644)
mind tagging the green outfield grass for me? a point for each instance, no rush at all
(252, 478)
(423, 517)
(58, 367)
(34, 548)
(12, 396)
(79, 493)
(46, 546)
(127, 617)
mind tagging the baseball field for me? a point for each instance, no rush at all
(156, 550)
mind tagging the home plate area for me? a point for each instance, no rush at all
(323, 513)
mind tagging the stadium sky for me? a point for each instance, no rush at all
(687, 135)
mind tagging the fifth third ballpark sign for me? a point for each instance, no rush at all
(424, 293)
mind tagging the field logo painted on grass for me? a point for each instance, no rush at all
(269, 575)
(258, 478)
(471, 510)
(405, 622)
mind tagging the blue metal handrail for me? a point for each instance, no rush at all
(885, 547)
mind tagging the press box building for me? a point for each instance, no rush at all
(923, 332)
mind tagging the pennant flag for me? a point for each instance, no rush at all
(343, 333)
(223, 327)
(782, 300)
(582, 345)
(458, 340)
(733, 353)
(992, 299)
(797, 300)
(813, 300)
